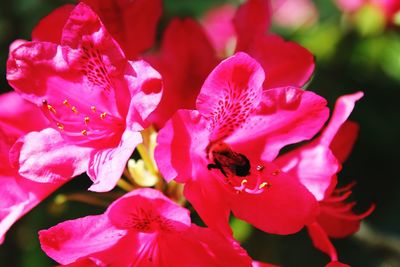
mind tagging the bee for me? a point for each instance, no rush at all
(229, 162)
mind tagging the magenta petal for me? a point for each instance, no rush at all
(343, 108)
(201, 247)
(230, 94)
(106, 166)
(86, 69)
(18, 116)
(283, 208)
(45, 157)
(285, 116)
(146, 90)
(49, 28)
(71, 240)
(21, 74)
(314, 165)
(181, 145)
(39, 71)
(18, 196)
(210, 201)
(134, 249)
(285, 63)
(15, 44)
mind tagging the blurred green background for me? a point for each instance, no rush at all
(351, 54)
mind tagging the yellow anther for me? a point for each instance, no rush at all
(74, 110)
(60, 126)
(93, 108)
(86, 119)
(66, 103)
(51, 109)
(103, 115)
(262, 185)
(244, 181)
(84, 132)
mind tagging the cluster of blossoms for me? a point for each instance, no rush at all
(224, 97)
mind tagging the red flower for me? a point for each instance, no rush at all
(143, 228)
(94, 98)
(223, 151)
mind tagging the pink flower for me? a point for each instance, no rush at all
(223, 151)
(131, 23)
(316, 165)
(17, 194)
(94, 98)
(143, 228)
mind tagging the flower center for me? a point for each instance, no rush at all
(147, 221)
(236, 169)
(84, 124)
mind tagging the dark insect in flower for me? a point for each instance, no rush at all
(229, 162)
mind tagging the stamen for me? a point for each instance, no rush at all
(242, 186)
(258, 188)
(60, 126)
(51, 109)
(260, 168)
(103, 115)
(263, 184)
(93, 108)
(74, 110)
(86, 119)
(66, 103)
(84, 132)
(338, 198)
